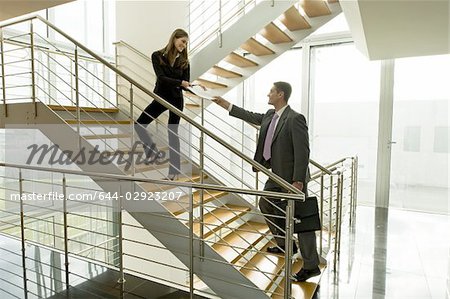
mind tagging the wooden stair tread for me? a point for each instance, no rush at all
(238, 242)
(221, 72)
(274, 34)
(293, 20)
(83, 109)
(271, 264)
(98, 122)
(256, 48)
(151, 187)
(300, 289)
(218, 218)
(106, 136)
(211, 84)
(239, 61)
(315, 8)
(140, 168)
(182, 205)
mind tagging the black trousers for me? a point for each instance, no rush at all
(151, 112)
(307, 241)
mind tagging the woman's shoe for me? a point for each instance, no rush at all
(172, 177)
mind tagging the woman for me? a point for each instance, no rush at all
(171, 67)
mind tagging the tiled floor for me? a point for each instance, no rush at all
(391, 254)
(387, 254)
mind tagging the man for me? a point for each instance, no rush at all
(283, 145)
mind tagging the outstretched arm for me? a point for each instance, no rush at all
(248, 116)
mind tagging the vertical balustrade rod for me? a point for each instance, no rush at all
(352, 186)
(77, 96)
(220, 24)
(288, 249)
(33, 70)
(22, 236)
(341, 203)
(66, 236)
(330, 213)
(121, 280)
(202, 169)
(2, 56)
(133, 169)
(338, 195)
(191, 246)
(321, 210)
(355, 193)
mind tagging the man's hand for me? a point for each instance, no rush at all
(221, 102)
(298, 185)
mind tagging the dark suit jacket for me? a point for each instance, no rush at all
(290, 144)
(168, 78)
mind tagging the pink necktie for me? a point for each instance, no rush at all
(267, 153)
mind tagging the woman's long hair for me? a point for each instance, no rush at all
(171, 52)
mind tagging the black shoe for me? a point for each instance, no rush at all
(305, 274)
(280, 249)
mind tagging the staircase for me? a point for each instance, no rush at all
(230, 234)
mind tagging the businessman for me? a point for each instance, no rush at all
(283, 145)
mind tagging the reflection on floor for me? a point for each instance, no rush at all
(46, 277)
(391, 254)
(386, 254)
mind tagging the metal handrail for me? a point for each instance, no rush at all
(154, 181)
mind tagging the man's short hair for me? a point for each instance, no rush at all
(285, 88)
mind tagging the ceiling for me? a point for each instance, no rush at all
(14, 8)
(399, 28)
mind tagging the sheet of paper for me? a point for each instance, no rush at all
(198, 91)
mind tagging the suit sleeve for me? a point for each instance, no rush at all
(300, 141)
(160, 75)
(248, 116)
(186, 75)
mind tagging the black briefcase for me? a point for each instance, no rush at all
(306, 216)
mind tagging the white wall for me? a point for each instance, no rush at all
(147, 25)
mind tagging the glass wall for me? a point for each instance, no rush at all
(419, 161)
(344, 111)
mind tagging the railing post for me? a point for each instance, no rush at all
(202, 169)
(133, 169)
(77, 95)
(33, 70)
(288, 249)
(341, 203)
(191, 246)
(338, 195)
(330, 213)
(220, 24)
(116, 60)
(355, 193)
(321, 210)
(66, 236)
(22, 235)
(121, 280)
(2, 56)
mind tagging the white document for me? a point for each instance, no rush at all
(199, 91)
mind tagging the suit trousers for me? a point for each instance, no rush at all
(151, 112)
(307, 241)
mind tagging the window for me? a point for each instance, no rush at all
(441, 139)
(411, 139)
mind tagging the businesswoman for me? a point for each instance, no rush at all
(171, 66)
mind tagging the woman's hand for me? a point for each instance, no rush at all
(185, 84)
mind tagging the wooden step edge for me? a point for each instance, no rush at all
(211, 84)
(315, 8)
(239, 61)
(98, 122)
(142, 169)
(181, 207)
(274, 34)
(293, 20)
(300, 289)
(236, 214)
(224, 73)
(82, 109)
(276, 262)
(106, 136)
(193, 105)
(151, 187)
(256, 48)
